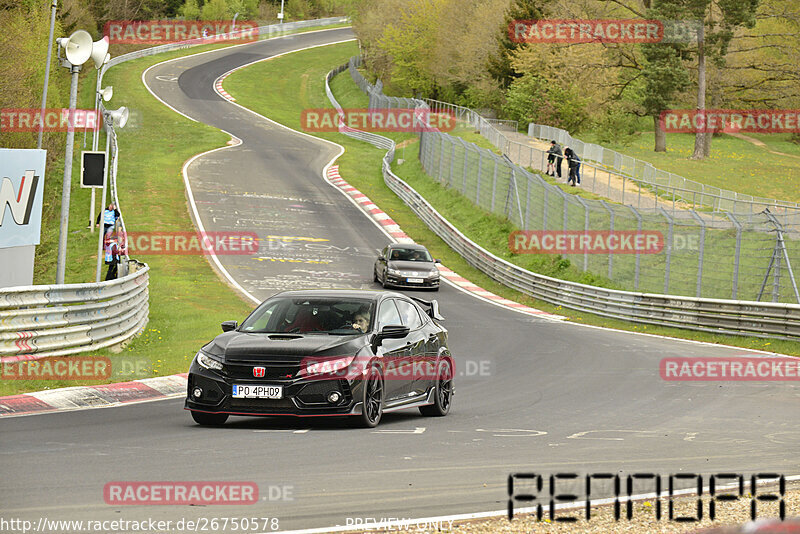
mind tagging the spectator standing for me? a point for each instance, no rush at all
(110, 216)
(555, 150)
(573, 164)
(112, 256)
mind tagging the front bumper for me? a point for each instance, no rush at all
(402, 281)
(301, 397)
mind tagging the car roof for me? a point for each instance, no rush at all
(412, 246)
(371, 294)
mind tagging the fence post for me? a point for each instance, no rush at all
(702, 251)
(611, 229)
(585, 231)
(638, 253)
(527, 201)
(466, 159)
(736, 254)
(452, 161)
(669, 249)
(441, 157)
(494, 183)
(480, 164)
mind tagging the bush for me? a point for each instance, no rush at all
(616, 126)
(532, 98)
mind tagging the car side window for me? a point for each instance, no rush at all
(408, 312)
(388, 314)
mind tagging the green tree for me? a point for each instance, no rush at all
(720, 19)
(532, 98)
(216, 10)
(190, 10)
(499, 64)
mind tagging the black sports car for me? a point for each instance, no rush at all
(352, 353)
(406, 265)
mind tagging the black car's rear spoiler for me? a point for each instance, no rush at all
(431, 308)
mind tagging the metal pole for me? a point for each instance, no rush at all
(103, 196)
(669, 249)
(638, 254)
(702, 251)
(95, 140)
(736, 254)
(54, 7)
(66, 186)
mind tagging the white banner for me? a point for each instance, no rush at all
(21, 191)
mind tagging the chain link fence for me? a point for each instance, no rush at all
(705, 254)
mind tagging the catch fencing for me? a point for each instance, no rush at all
(761, 319)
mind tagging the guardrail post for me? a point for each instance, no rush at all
(702, 251)
(736, 254)
(670, 240)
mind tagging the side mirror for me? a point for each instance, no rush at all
(437, 260)
(227, 326)
(392, 331)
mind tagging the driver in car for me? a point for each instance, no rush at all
(361, 321)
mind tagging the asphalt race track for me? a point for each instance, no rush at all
(551, 397)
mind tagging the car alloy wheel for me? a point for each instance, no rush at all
(443, 396)
(372, 409)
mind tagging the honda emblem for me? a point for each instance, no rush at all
(259, 372)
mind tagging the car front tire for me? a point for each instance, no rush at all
(443, 397)
(209, 419)
(372, 397)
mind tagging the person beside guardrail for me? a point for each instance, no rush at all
(112, 256)
(110, 217)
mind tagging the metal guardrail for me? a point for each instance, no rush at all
(750, 318)
(56, 320)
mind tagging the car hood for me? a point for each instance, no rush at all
(242, 346)
(412, 265)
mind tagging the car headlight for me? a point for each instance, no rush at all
(322, 366)
(433, 274)
(207, 362)
(393, 271)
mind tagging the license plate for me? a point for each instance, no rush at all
(243, 391)
(414, 280)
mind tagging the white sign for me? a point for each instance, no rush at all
(21, 191)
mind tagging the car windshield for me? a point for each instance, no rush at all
(310, 316)
(409, 254)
